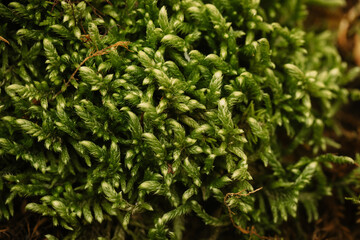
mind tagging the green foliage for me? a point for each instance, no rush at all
(209, 99)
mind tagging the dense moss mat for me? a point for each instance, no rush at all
(144, 115)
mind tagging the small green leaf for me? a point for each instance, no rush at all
(154, 144)
(257, 129)
(126, 220)
(59, 206)
(51, 237)
(163, 19)
(108, 190)
(94, 150)
(150, 186)
(335, 159)
(174, 41)
(87, 212)
(225, 115)
(98, 212)
(294, 71)
(305, 177)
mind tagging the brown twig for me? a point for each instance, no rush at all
(73, 11)
(356, 50)
(101, 52)
(4, 40)
(108, 2)
(350, 42)
(28, 227)
(38, 224)
(4, 232)
(54, 4)
(96, 11)
(252, 231)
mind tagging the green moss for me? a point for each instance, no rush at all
(208, 99)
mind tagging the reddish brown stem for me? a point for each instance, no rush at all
(251, 231)
(4, 40)
(101, 52)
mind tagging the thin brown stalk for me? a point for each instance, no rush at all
(4, 230)
(101, 52)
(73, 11)
(108, 2)
(54, 4)
(251, 231)
(38, 224)
(96, 11)
(4, 40)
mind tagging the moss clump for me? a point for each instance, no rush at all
(144, 112)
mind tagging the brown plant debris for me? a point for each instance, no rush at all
(356, 50)
(4, 40)
(348, 40)
(252, 230)
(124, 44)
(330, 225)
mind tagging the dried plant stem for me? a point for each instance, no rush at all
(251, 231)
(4, 232)
(4, 40)
(101, 52)
(108, 2)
